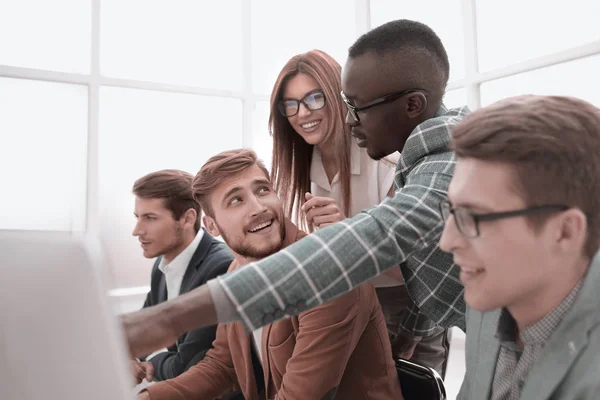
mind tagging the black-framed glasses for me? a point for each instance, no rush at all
(467, 222)
(313, 101)
(388, 98)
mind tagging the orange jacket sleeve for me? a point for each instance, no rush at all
(211, 378)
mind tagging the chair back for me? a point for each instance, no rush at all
(419, 382)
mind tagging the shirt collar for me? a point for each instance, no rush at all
(317, 170)
(539, 332)
(443, 110)
(180, 263)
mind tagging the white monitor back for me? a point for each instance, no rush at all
(58, 336)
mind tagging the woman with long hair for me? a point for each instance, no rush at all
(316, 163)
(319, 172)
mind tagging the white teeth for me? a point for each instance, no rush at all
(261, 226)
(310, 124)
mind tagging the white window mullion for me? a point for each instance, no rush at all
(247, 96)
(471, 56)
(92, 189)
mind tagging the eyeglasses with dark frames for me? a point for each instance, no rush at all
(467, 222)
(312, 101)
(388, 98)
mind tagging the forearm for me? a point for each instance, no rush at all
(156, 327)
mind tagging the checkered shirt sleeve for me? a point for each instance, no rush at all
(403, 230)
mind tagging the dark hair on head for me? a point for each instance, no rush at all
(174, 187)
(552, 142)
(390, 38)
(217, 169)
(292, 155)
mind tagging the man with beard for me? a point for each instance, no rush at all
(168, 228)
(337, 350)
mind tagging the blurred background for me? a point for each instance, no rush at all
(96, 93)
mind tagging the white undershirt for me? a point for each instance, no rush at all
(175, 270)
(257, 336)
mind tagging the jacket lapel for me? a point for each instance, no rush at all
(244, 368)
(195, 263)
(162, 289)
(568, 341)
(487, 355)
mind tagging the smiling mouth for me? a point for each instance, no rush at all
(310, 125)
(261, 226)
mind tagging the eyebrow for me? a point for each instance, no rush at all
(305, 94)
(239, 188)
(145, 214)
(231, 191)
(261, 182)
(471, 204)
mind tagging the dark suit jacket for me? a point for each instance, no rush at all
(211, 258)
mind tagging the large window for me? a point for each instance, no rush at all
(513, 31)
(96, 93)
(43, 127)
(182, 42)
(49, 35)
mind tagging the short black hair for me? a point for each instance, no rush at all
(399, 35)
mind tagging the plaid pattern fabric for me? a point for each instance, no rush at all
(513, 366)
(403, 230)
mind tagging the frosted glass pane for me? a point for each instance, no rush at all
(185, 42)
(54, 35)
(455, 98)
(444, 17)
(284, 28)
(567, 79)
(262, 143)
(43, 131)
(511, 31)
(144, 131)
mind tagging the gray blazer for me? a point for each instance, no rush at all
(569, 365)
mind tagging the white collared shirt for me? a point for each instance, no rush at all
(175, 270)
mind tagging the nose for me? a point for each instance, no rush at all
(451, 238)
(256, 205)
(303, 110)
(137, 229)
(350, 120)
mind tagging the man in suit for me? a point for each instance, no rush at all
(337, 350)
(168, 228)
(523, 224)
(393, 83)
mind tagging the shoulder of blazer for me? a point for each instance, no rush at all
(211, 253)
(156, 274)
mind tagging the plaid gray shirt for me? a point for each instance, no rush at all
(403, 230)
(513, 365)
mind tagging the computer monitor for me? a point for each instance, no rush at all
(59, 338)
